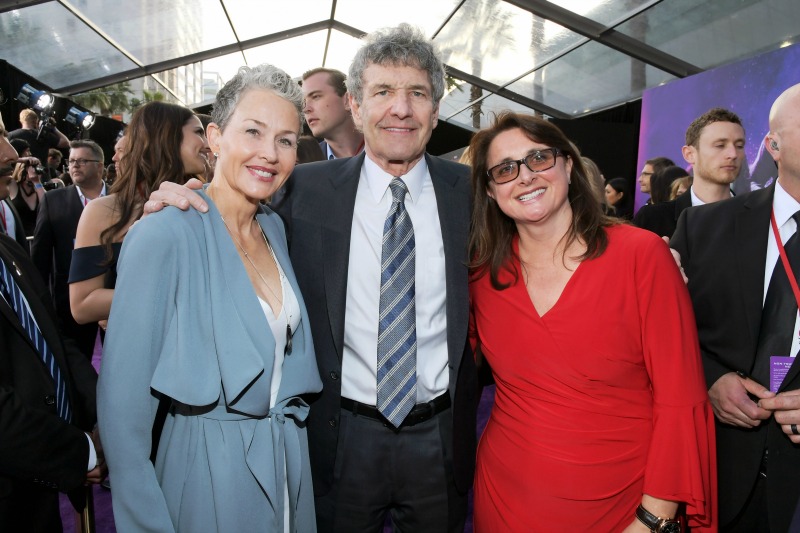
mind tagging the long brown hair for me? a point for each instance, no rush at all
(152, 156)
(492, 232)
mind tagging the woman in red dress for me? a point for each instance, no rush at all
(601, 411)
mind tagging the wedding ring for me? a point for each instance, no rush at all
(794, 429)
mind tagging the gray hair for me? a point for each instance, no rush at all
(404, 45)
(262, 76)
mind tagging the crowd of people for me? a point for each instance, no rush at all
(296, 333)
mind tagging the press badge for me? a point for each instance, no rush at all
(778, 368)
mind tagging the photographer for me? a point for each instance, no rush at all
(26, 190)
(50, 136)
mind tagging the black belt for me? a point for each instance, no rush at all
(420, 413)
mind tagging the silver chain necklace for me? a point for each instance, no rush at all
(287, 350)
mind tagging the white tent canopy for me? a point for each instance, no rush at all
(563, 58)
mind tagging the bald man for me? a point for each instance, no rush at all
(747, 322)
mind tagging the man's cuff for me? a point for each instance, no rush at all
(92, 454)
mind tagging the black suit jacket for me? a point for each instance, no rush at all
(323, 145)
(662, 218)
(53, 242)
(319, 216)
(723, 251)
(40, 454)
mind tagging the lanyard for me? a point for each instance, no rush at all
(785, 259)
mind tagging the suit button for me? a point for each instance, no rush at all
(334, 375)
(49, 400)
(332, 422)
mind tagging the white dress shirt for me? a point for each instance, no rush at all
(696, 199)
(8, 217)
(85, 200)
(784, 207)
(360, 357)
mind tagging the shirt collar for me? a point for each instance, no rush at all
(83, 197)
(783, 205)
(378, 179)
(330, 154)
(696, 199)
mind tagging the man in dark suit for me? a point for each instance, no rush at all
(54, 237)
(365, 465)
(44, 446)
(367, 460)
(746, 314)
(327, 113)
(715, 149)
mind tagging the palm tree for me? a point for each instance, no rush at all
(484, 31)
(147, 97)
(109, 100)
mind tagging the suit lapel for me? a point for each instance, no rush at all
(335, 243)
(38, 309)
(10, 315)
(682, 203)
(750, 230)
(73, 208)
(454, 220)
(5, 307)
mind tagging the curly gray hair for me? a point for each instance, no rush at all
(263, 76)
(403, 45)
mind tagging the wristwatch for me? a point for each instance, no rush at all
(657, 524)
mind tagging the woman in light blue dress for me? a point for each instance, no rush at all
(208, 319)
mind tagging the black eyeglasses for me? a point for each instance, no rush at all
(538, 161)
(80, 162)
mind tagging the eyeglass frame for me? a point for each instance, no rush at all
(80, 162)
(519, 162)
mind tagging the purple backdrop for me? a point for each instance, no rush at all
(747, 88)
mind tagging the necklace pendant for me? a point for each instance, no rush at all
(288, 349)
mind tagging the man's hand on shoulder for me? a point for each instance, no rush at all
(731, 403)
(677, 257)
(180, 196)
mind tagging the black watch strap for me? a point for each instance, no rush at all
(654, 523)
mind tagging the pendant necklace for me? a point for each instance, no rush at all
(287, 350)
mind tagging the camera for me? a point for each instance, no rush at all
(46, 122)
(41, 171)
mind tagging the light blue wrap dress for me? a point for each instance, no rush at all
(186, 324)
